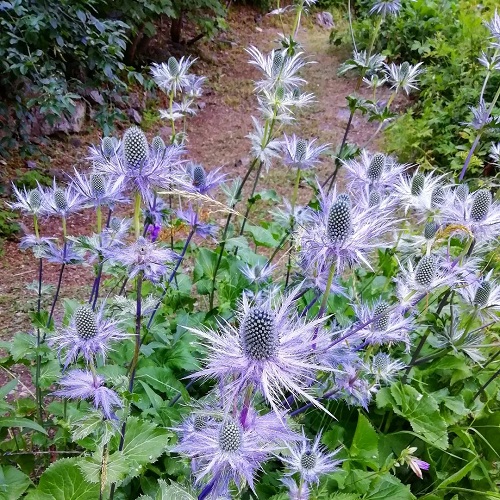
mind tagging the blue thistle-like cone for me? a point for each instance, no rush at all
(60, 199)
(437, 197)
(426, 270)
(135, 147)
(376, 167)
(339, 219)
(405, 67)
(430, 230)
(200, 422)
(173, 66)
(35, 199)
(199, 176)
(230, 436)
(300, 149)
(480, 205)
(157, 144)
(258, 334)
(296, 93)
(277, 63)
(308, 460)
(462, 192)
(417, 183)
(374, 199)
(381, 324)
(107, 147)
(380, 362)
(482, 294)
(85, 322)
(97, 185)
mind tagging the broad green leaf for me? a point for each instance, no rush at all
(206, 260)
(64, 480)
(389, 487)
(50, 371)
(13, 482)
(117, 467)
(24, 423)
(365, 443)
(23, 346)
(262, 237)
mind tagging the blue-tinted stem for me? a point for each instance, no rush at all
(309, 405)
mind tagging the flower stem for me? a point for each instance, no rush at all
(249, 202)
(324, 301)
(137, 213)
(38, 356)
(292, 224)
(56, 296)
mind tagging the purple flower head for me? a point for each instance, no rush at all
(376, 171)
(65, 254)
(62, 201)
(225, 452)
(193, 86)
(384, 368)
(483, 297)
(353, 388)
(146, 257)
(300, 214)
(83, 384)
(272, 349)
(415, 464)
(424, 194)
(193, 220)
(311, 460)
(300, 153)
(263, 149)
(38, 245)
(391, 327)
(195, 179)
(257, 273)
(494, 29)
(88, 334)
(137, 166)
(342, 234)
(153, 232)
(473, 214)
(99, 189)
(172, 76)
(29, 202)
(316, 275)
(156, 211)
(386, 7)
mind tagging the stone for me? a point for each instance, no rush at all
(96, 96)
(134, 115)
(325, 20)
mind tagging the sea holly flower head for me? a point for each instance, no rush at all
(38, 245)
(481, 116)
(386, 7)
(403, 76)
(83, 384)
(88, 334)
(98, 189)
(28, 201)
(173, 76)
(300, 153)
(272, 350)
(296, 492)
(257, 273)
(495, 153)
(62, 201)
(362, 62)
(482, 296)
(193, 178)
(262, 149)
(343, 234)
(67, 253)
(310, 459)
(144, 256)
(225, 453)
(195, 222)
(494, 28)
(384, 368)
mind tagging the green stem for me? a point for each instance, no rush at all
(292, 224)
(172, 121)
(137, 213)
(324, 301)
(99, 219)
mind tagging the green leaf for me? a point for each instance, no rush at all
(459, 475)
(23, 347)
(262, 237)
(64, 480)
(117, 467)
(50, 371)
(364, 445)
(144, 443)
(422, 412)
(21, 422)
(206, 261)
(13, 482)
(387, 487)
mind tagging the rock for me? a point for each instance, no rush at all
(134, 101)
(325, 20)
(134, 115)
(202, 105)
(165, 133)
(68, 124)
(75, 142)
(31, 164)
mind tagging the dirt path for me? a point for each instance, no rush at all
(217, 137)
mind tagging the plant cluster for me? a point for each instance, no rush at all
(354, 358)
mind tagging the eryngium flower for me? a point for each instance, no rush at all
(137, 165)
(257, 273)
(99, 189)
(88, 334)
(403, 76)
(474, 214)
(225, 452)
(28, 202)
(363, 63)
(300, 153)
(279, 69)
(342, 234)
(494, 28)
(482, 296)
(272, 350)
(61, 201)
(384, 368)
(296, 492)
(481, 116)
(495, 152)
(195, 222)
(68, 253)
(83, 384)
(390, 327)
(376, 171)
(172, 76)
(144, 256)
(195, 179)
(310, 460)
(38, 245)
(264, 149)
(386, 7)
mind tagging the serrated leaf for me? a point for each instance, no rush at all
(64, 480)
(389, 487)
(23, 347)
(364, 445)
(117, 467)
(261, 236)
(13, 482)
